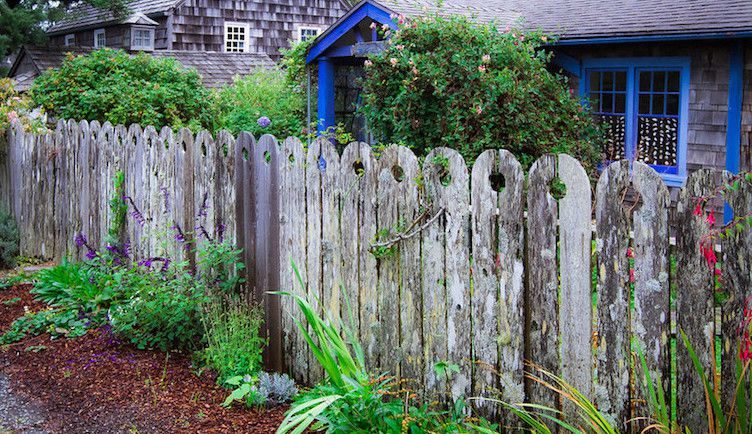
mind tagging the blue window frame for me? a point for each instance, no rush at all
(643, 105)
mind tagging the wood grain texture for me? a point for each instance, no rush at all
(694, 299)
(314, 215)
(650, 322)
(576, 309)
(543, 279)
(612, 393)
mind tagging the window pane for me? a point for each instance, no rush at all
(658, 104)
(620, 80)
(645, 78)
(608, 101)
(673, 81)
(613, 128)
(608, 81)
(620, 103)
(657, 139)
(595, 81)
(672, 104)
(644, 104)
(659, 81)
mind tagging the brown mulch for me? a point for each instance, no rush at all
(95, 384)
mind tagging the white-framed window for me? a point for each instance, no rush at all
(100, 39)
(142, 38)
(70, 40)
(236, 37)
(307, 32)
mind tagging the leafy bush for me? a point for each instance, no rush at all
(17, 107)
(263, 102)
(447, 81)
(111, 85)
(234, 345)
(56, 322)
(9, 240)
(163, 311)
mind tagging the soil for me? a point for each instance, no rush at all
(94, 384)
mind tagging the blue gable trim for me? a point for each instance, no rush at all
(367, 9)
(652, 38)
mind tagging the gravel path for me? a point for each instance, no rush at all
(17, 415)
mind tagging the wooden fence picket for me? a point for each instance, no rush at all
(612, 393)
(446, 281)
(498, 297)
(314, 216)
(694, 299)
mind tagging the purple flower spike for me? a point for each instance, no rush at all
(91, 254)
(179, 235)
(81, 240)
(166, 265)
(136, 213)
(221, 232)
(264, 121)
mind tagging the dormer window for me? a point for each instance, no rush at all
(142, 38)
(100, 39)
(307, 32)
(70, 40)
(236, 37)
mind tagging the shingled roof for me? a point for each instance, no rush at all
(85, 15)
(216, 69)
(583, 19)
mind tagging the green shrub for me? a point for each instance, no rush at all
(447, 81)
(111, 85)
(9, 240)
(233, 344)
(266, 94)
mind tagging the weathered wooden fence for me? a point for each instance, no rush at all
(483, 268)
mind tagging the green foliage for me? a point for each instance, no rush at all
(56, 322)
(118, 210)
(72, 286)
(233, 343)
(111, 85)
(218, 265)
(350, 399)
(17, 107)
(264, 390)
(263, 93)
(163, 310)
(447, 81)
(9, 240)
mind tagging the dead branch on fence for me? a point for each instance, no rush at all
(409, 233)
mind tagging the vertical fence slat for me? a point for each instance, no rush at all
(650, 322)
(446, 285)
(314, 234)
(358, 229)
(612, 240)
(542, 294)
(498, 317)
(292, 235)
(328, 164)
(694, 300)
(576, 307)
(736, 281)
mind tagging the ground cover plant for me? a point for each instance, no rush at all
(447, 81)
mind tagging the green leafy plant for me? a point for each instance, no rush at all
(263, 102)
(264, 390)
(112, 85)
(9, 240)
(56, 322)
(233, 343)
(449, 81)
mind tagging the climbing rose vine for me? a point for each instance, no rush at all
(446, 81)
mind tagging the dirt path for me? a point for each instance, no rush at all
(17, 414)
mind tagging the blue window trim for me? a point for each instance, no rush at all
(632, 65)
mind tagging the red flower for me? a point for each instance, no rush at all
(630, 254)
(709, 254)
(698, 209)
(711, 218)
(631, 275)
(718, 272)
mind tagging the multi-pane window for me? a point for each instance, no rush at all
(641, 105)
(100, 39)
(70, 40)
(305, 33)
(236, 37)
(142, 38)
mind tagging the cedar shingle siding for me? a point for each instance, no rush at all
(199, 24)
